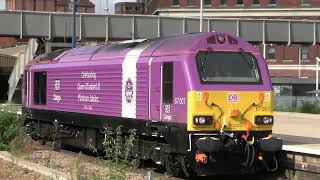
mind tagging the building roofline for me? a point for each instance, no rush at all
(155, 16)
(245, 12)
(292, 80)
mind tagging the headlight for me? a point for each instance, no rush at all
(202, 120)
(264, 120)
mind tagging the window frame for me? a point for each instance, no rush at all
(40, 88)
(191, 3)
(167, 98)
(301, 53)
(274, 53)
(272, 3)
(205, 3)
(223, 3)
(303, 3)
(239, 4)
(175, 5)
(45, 5)
(256, 3)
(202, 81)
(23, 4)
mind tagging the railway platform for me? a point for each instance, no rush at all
(301, 144)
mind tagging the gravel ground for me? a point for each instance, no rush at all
(10, 171)
(78, 164)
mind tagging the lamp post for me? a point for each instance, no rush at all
(317, 76)
(74, 19)
(106, 10)
(201, 15)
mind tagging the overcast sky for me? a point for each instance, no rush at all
(101, 5)
(2, 6)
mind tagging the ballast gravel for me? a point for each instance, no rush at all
(9, 171)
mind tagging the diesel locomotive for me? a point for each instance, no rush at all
(199, 103)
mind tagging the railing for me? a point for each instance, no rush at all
(295, 103)
(23, 59)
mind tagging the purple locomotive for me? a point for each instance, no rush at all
(199, 102)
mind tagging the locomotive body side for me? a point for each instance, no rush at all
(199, 100)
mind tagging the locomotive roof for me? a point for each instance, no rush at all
(172, 45)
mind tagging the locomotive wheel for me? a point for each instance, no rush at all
(136, 163)
(56, 145)
(43, 142)
(172, 165)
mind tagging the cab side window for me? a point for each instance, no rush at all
(167, 82)
(40, 88)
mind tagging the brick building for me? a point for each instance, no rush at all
(129, 8)
(292, 65)
(84, 6)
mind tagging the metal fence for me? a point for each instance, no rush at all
(93, 26)
(294, 103)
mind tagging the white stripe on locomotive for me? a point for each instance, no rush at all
(129, 71)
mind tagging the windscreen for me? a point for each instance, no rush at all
(228, 67)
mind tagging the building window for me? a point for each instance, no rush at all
(191, 3)
(304, 53)
(34, 5)
(239, 2)
(271, 55)
(40, 88)
(273, 2)
(23, 4)
(305, 2)
(223, 2)
(175, 3)
(45, 5)
(256, 2)
(167, 84)
(258, 47)
(282, 90)
(207, 2)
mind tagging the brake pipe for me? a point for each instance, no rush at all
(253, 155)
(252, 141)
(248, 153)
(268, 168)
(223, 125)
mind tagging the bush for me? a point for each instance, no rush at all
(10, 127)
(308, 107)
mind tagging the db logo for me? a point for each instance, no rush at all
(233, 98)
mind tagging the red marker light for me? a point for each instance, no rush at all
(217, 125)
(234, 112)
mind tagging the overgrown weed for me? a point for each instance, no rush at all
(118, 150)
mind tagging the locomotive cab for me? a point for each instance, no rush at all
(231, 108)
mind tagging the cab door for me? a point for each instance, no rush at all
(161, 90)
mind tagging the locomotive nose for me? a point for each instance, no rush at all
(234, 111)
